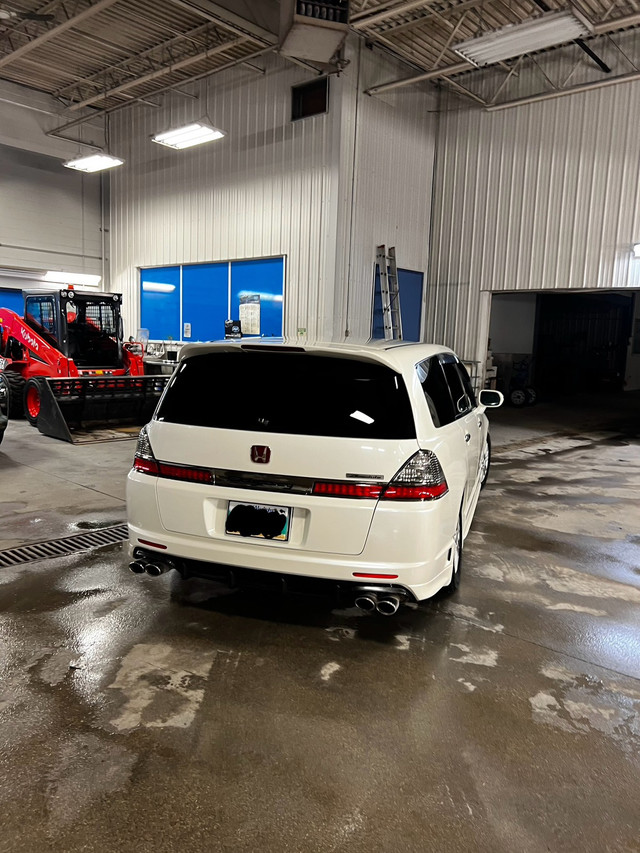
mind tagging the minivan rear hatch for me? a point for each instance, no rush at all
(270, 424)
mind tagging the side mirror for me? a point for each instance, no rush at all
(491, 399)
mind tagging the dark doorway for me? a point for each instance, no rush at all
(581, 342)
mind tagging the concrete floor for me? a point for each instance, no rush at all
(148, 715)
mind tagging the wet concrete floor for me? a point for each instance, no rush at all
(153, 715)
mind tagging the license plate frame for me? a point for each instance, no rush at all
(251, 521)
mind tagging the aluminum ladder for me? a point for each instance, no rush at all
(391, 316)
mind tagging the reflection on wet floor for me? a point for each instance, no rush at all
(156, 714)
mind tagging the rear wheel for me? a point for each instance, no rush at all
(456, 562)
(15, 383)
(485, 463)
(33, 400)
(532, 395)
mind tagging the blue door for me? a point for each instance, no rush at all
(257, 294)
(205, 297)
(160, 303)
(410, 287)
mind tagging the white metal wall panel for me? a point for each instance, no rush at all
(261, 191)
(322, 191)
(387, 167)
(49, 215)
(539, 197)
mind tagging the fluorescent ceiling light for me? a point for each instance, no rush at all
(73, 278)
(94, 163)
(185, 137)
(515, 39)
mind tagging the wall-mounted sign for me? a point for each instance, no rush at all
(250, 313)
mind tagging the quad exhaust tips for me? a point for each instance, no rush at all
(153, 569)
(385, 604)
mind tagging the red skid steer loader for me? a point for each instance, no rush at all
(65, 365)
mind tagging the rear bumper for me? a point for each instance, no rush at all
(401, 543)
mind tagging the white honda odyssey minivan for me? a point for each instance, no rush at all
(353, 468)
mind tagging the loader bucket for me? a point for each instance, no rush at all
(88, 401)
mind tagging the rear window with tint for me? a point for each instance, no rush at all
(295, 393)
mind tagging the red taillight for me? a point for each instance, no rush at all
(348, 490)
(145, 466)
(414, 493)
(185, 472)
(173, 472)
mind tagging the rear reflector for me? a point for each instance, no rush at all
(377, 577)
(152, 544)
(348, 490)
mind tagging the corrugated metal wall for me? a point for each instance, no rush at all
(261, 191)
(388, 168)
(538, 197)
(49, 215)
(276, 187)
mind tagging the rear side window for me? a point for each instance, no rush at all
(293, 393)
(461, 400)
(436, 391)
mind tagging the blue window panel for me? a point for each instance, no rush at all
(410, 287)
(160, 303)
(264, 278)
(205, 300)
(13, 300)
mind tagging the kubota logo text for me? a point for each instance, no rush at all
(33, 343)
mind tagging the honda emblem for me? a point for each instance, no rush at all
(260, 453)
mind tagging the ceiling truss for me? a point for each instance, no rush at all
(99, 56)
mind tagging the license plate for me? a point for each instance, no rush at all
(258, 521)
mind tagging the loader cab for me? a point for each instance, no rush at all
(86, 327)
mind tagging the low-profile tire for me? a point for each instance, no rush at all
(485, 463)
(456, 568)
(16, 387)
(33, 400)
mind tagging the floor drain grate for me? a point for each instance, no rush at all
(63, 547)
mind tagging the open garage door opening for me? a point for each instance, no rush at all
(553, 345)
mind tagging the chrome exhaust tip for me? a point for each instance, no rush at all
(367, 602)
(388, 605)
(154, 570)
(137, 567)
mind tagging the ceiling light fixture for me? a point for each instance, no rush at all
(636, 250)
(191, 134)
(547, 30)
(94, 163)
(73, 278)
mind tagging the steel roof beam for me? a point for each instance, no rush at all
(158, 72)
(235, 23)
(448, 70)
(231, 64)
(55, 31)
(189, 36)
